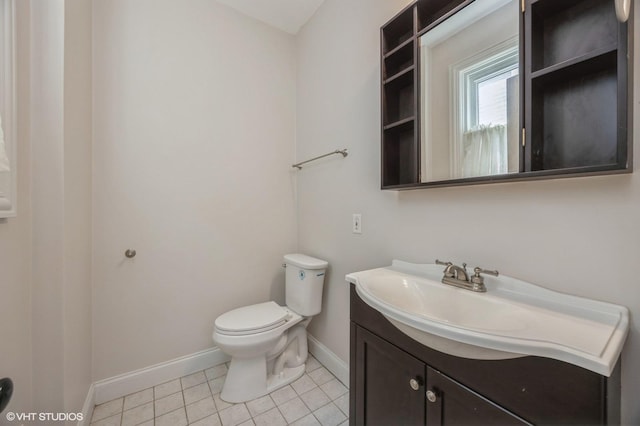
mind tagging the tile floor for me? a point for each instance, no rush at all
(317, 398)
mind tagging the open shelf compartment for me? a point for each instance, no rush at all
(398, 30)
(399, 59)
(576, 120)
(399, 98)
(566, 29)
(400, 155)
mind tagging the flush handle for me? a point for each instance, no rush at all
(431, 396)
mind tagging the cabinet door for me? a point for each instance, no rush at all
(450, 403)
(389, 383)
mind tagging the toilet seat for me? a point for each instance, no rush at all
(252, 319)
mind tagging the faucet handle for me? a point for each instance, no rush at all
(477, 279)
(478, 270)
(447, 270)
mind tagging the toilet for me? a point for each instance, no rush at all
(268, 342)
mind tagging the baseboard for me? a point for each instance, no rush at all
(144, 378)
(330, 360)
(87, 408)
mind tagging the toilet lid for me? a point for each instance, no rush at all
(252, 318)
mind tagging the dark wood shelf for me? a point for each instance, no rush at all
(401, 60)
(397, 49)
(399, 76)
(433, 12)
(399, 124)
(591, 57)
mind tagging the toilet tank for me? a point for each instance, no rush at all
(304, 282)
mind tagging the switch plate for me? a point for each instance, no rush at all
(357, 223)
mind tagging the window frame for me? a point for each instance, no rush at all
(464, 78)
(8, 105)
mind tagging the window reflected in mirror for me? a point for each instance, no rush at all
(470, 93)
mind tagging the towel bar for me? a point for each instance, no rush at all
(342, 152)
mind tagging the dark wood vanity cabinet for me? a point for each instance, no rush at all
(455, 404)
(575, 73)
(394, 384)
(385, 373)
(398, 381)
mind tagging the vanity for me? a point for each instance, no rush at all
(423, 352)
(484, 91)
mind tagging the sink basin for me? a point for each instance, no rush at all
(512, 319)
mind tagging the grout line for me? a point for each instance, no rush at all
(184, 403)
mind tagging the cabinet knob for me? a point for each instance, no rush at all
(431, 396)
(415, 384)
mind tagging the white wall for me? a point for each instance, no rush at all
(47, 169)
(194, 121)
(578, 236)
(15, 247)
(60, 120)
(77, 193)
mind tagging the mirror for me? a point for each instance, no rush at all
(470, 93)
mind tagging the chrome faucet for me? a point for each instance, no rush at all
(457, 276)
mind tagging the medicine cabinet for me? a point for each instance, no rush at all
(480, 91)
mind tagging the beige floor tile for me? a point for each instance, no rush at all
(138, 398)
(303, 384)
(260, 405)
(283, 394)
(168, 403)
(217, 371)
(167, 388)
(271, 417)
(107, 409)
(293, 410)
(138, 415)
(329, 415)
(234, 415)
(109, 421)
(196, 393)
(201, 409)
(174, 418)
(213, 420)
(193, 379)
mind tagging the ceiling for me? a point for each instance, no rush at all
(287, 15)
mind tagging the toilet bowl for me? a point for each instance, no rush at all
(268, 342)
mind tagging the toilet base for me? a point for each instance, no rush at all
(288, 375)
(252, 377)
(243, 371)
